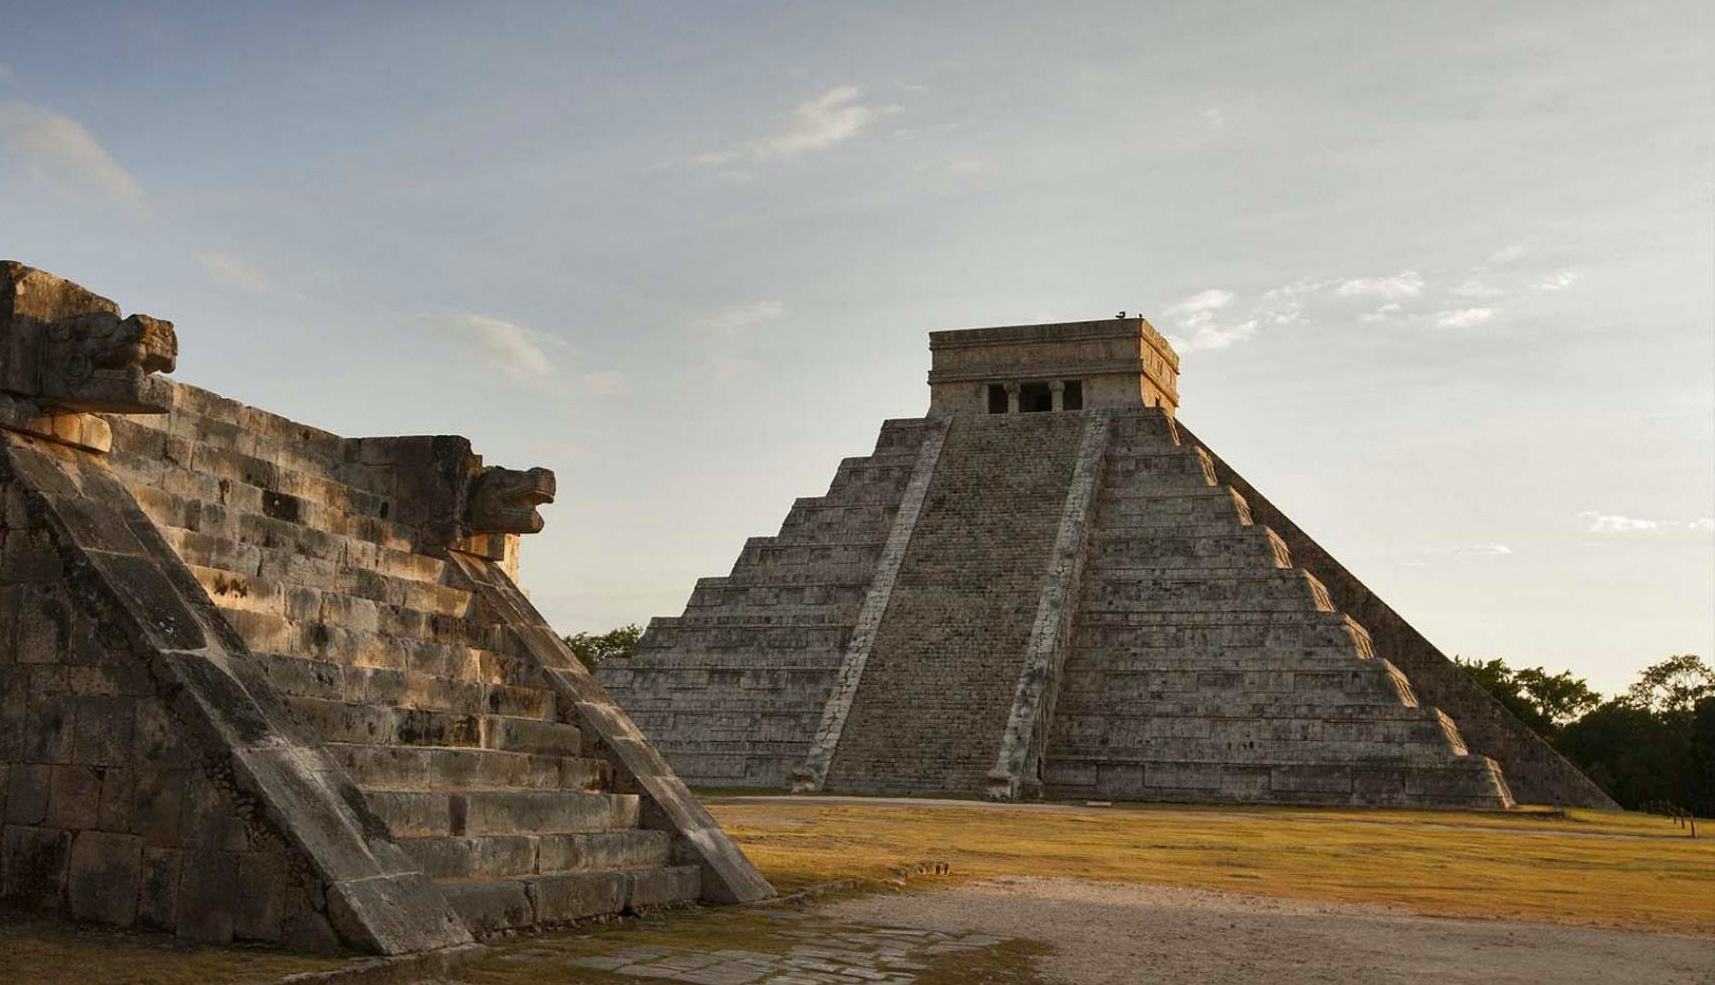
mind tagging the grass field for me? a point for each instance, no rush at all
(1588, 868)
(1591, 868)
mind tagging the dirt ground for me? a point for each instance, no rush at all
(1108, 934)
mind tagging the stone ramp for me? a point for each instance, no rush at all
(937, 689)
(1204, 667)
(362, 594)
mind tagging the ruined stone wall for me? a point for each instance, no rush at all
(1536, 773)
(940, 683)
(115, 809)
(732, 691)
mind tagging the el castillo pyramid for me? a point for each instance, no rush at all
(262, 682)
(1047, 587)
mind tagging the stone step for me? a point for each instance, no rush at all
(1277, 747)
(419, 814)
(771, 639)
(1165, 714)
(173, 505)
(510, 856)
(1358, 679)
(404, 688)
(317, 566)
(357, 597)
(447, 768)
(1177, 590)
(346, 630)
(490, 906)
(369, 724)
(242, 429)
(1194, 507)
(1454, 782)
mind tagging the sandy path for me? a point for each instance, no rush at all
(1106, 934)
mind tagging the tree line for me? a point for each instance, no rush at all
(1650, 747)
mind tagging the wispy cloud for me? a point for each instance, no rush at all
(1381, 313)
(60, 151)
(1613, 523)
(513, 349)
(740, 317)
(1464, 317)
(1558, 281)
(816, 124)
(1483, 550)
(724, 337)
(1476, 287)
(7, 77)
(229, 270)
(1405, 284)
(1198, 327)
(1507, 254)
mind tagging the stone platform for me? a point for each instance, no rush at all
(264, 682)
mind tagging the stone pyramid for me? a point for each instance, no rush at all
(1048, 587)
(262, 682)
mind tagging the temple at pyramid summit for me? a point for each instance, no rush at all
(262, 682)
(1048, 587)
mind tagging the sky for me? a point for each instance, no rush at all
(1442, 276)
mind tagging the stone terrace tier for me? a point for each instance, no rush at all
(1204, 667)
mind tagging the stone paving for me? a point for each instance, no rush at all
(797, 949)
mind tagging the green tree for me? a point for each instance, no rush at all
(615, 644)
(1656, 742)
(1543, 701)
(1673, 686)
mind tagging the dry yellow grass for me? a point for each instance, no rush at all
(1577, 867)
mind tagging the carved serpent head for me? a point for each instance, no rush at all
(67, 347)
(504, 501)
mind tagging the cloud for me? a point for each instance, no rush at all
(1484, 550)
(1463, 317)
(1198, 329)
(1558, 281)
(1405, 284)
(1507, 254)
(229, 270)
(1215, 117)
(61, 151)
(513, 349)
(1381, 313)
(7, 76)
(1477, 288)
(744, 316)
(815, 124)
(1612, 523)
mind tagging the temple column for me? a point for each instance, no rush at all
(1012, 398)
(1058, 390)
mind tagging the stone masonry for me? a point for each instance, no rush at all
(262, 682)
(1066, 597)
